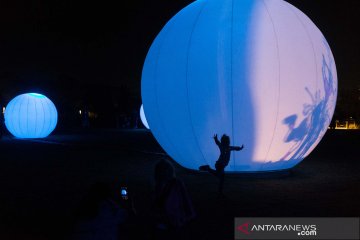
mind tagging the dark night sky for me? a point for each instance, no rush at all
(105, 43)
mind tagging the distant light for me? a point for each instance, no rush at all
(143, 118)
(3, 110)
(80, 112)
(30, 115)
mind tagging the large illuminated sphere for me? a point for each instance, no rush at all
(30, 115)
(259, 71)
(143, 118)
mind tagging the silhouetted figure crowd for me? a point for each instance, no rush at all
(223, 161)
(106, 215)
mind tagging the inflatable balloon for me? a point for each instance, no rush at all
(30, 115)
(259, 71)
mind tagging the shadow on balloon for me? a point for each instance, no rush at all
(317, 116)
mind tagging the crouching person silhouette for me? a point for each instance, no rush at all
(223, 161)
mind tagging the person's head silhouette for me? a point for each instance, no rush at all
(225, 140)
(164, 171)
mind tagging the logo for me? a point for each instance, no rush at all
(244, 228)
(300, 229)
(296, 228)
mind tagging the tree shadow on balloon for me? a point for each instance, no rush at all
(317, 116)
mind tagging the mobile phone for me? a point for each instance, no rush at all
(124, 193)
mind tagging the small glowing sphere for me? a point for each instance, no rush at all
(30, 115)
(143, 118)
(259, 71)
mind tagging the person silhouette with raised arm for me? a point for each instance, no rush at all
(223, 161)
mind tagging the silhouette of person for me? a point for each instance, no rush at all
(223, 161)
(172, 205)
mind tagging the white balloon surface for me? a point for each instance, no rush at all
(259, 71)
(143, 118)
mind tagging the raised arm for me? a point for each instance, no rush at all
(235, 148)
(216, 140)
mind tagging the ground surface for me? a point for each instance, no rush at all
(43, 182)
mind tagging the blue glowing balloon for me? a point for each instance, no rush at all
(30, 115)
(259, 71)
